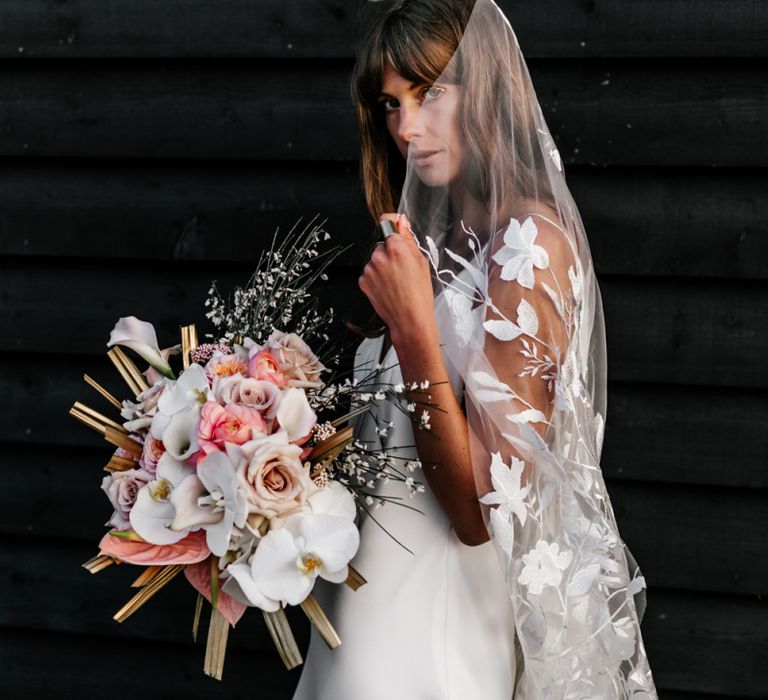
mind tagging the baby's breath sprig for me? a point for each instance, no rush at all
(278, 294)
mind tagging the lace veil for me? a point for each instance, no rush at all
(511, 262)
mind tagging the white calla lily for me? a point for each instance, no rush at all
(295, 415)
(140, 337)
(153, 512)
(180, 435)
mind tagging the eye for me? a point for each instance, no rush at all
(433, 92)
(386, 103)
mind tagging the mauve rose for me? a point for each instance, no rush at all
(153, 450)
(139, 415)
(121, 489)
(299, 364)
(261, 395)
(275, 480)
(231, 423)
(264, 365)
(226, 389)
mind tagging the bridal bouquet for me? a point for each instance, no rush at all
(226, 473)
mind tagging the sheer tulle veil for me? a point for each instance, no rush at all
(512, 265)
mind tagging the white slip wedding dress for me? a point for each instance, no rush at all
(433, 625)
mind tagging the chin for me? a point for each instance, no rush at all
(432, 177)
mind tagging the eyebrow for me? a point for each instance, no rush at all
(413, 85)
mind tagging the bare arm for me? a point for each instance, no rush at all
(397, 281)
(444, 454)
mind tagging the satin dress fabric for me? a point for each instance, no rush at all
(434, 624)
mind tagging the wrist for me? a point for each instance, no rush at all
(415, 335)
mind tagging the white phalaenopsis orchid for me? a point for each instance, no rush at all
(190, 388)
(508, 494)
(212, 500)
(295, 415)
(288, 560)
(190, 391)
(153, 513)
(334, 499)
(140, 337)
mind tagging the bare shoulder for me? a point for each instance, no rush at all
(551, 233)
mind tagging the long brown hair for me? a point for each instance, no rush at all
(420, 38)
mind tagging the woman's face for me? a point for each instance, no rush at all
(423, 121)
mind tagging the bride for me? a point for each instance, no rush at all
(512, 580)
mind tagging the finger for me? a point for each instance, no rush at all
(405, 230)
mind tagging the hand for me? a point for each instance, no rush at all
(397, 282)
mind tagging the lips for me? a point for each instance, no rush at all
(423, 157)
(424, 153)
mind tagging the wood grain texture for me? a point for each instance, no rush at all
(684, 222)
(707, 643)
(654, 433)
(693, 332)
(696, 642)
(148, 147)
(85, 665)
(705, 539)
(686, 434)
(330, 28)
(603, 112)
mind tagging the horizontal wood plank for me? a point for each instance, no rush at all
(695, 538)
(650, 221)
(322, 28)
(683, 536)
(707, 643)
(686, 331)
(654, 433)
(69, 598)
(91, 666)
(695, 642)
(659, 330)
(687, 435)
(705, 112)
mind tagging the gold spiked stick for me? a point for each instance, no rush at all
(188, 343)
(160, 580)
(128, 370)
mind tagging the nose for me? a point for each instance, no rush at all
(408, 125)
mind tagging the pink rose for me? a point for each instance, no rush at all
(231, 423)
(153, 450)
(264, 365)
(275, 480)
(121, 489)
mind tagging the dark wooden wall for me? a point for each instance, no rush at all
(149, 146)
